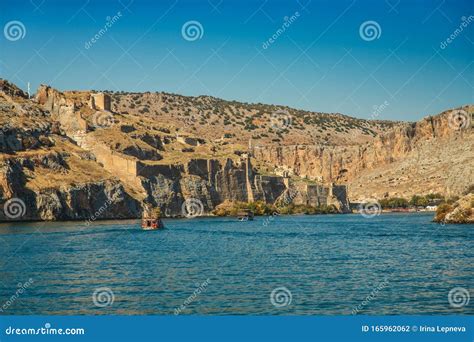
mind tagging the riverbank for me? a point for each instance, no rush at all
(182, 218)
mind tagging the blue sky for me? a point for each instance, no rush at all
(320, 62)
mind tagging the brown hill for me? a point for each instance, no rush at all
(81, 149)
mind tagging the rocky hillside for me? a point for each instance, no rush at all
(432, 155)
(462, 211)
(44, 175)
(83, 154)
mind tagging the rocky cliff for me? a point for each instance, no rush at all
(88, 155)
(63, 159)
(461, 211)
(432, 155)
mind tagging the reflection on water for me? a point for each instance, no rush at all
(320, 264)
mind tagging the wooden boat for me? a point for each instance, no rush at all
(151, 219)
(245, 215)
(152, 224)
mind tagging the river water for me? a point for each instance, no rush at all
(286, 265)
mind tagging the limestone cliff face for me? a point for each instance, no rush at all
(56, 156)
(168, 186)
(90, 201)
(417, 142)
(213, 182)
(209, 181)
(61, 170)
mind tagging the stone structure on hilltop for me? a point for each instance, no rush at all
(100, 101)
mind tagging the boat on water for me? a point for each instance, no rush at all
(245, 215)
(152, 224)
(151, 219)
